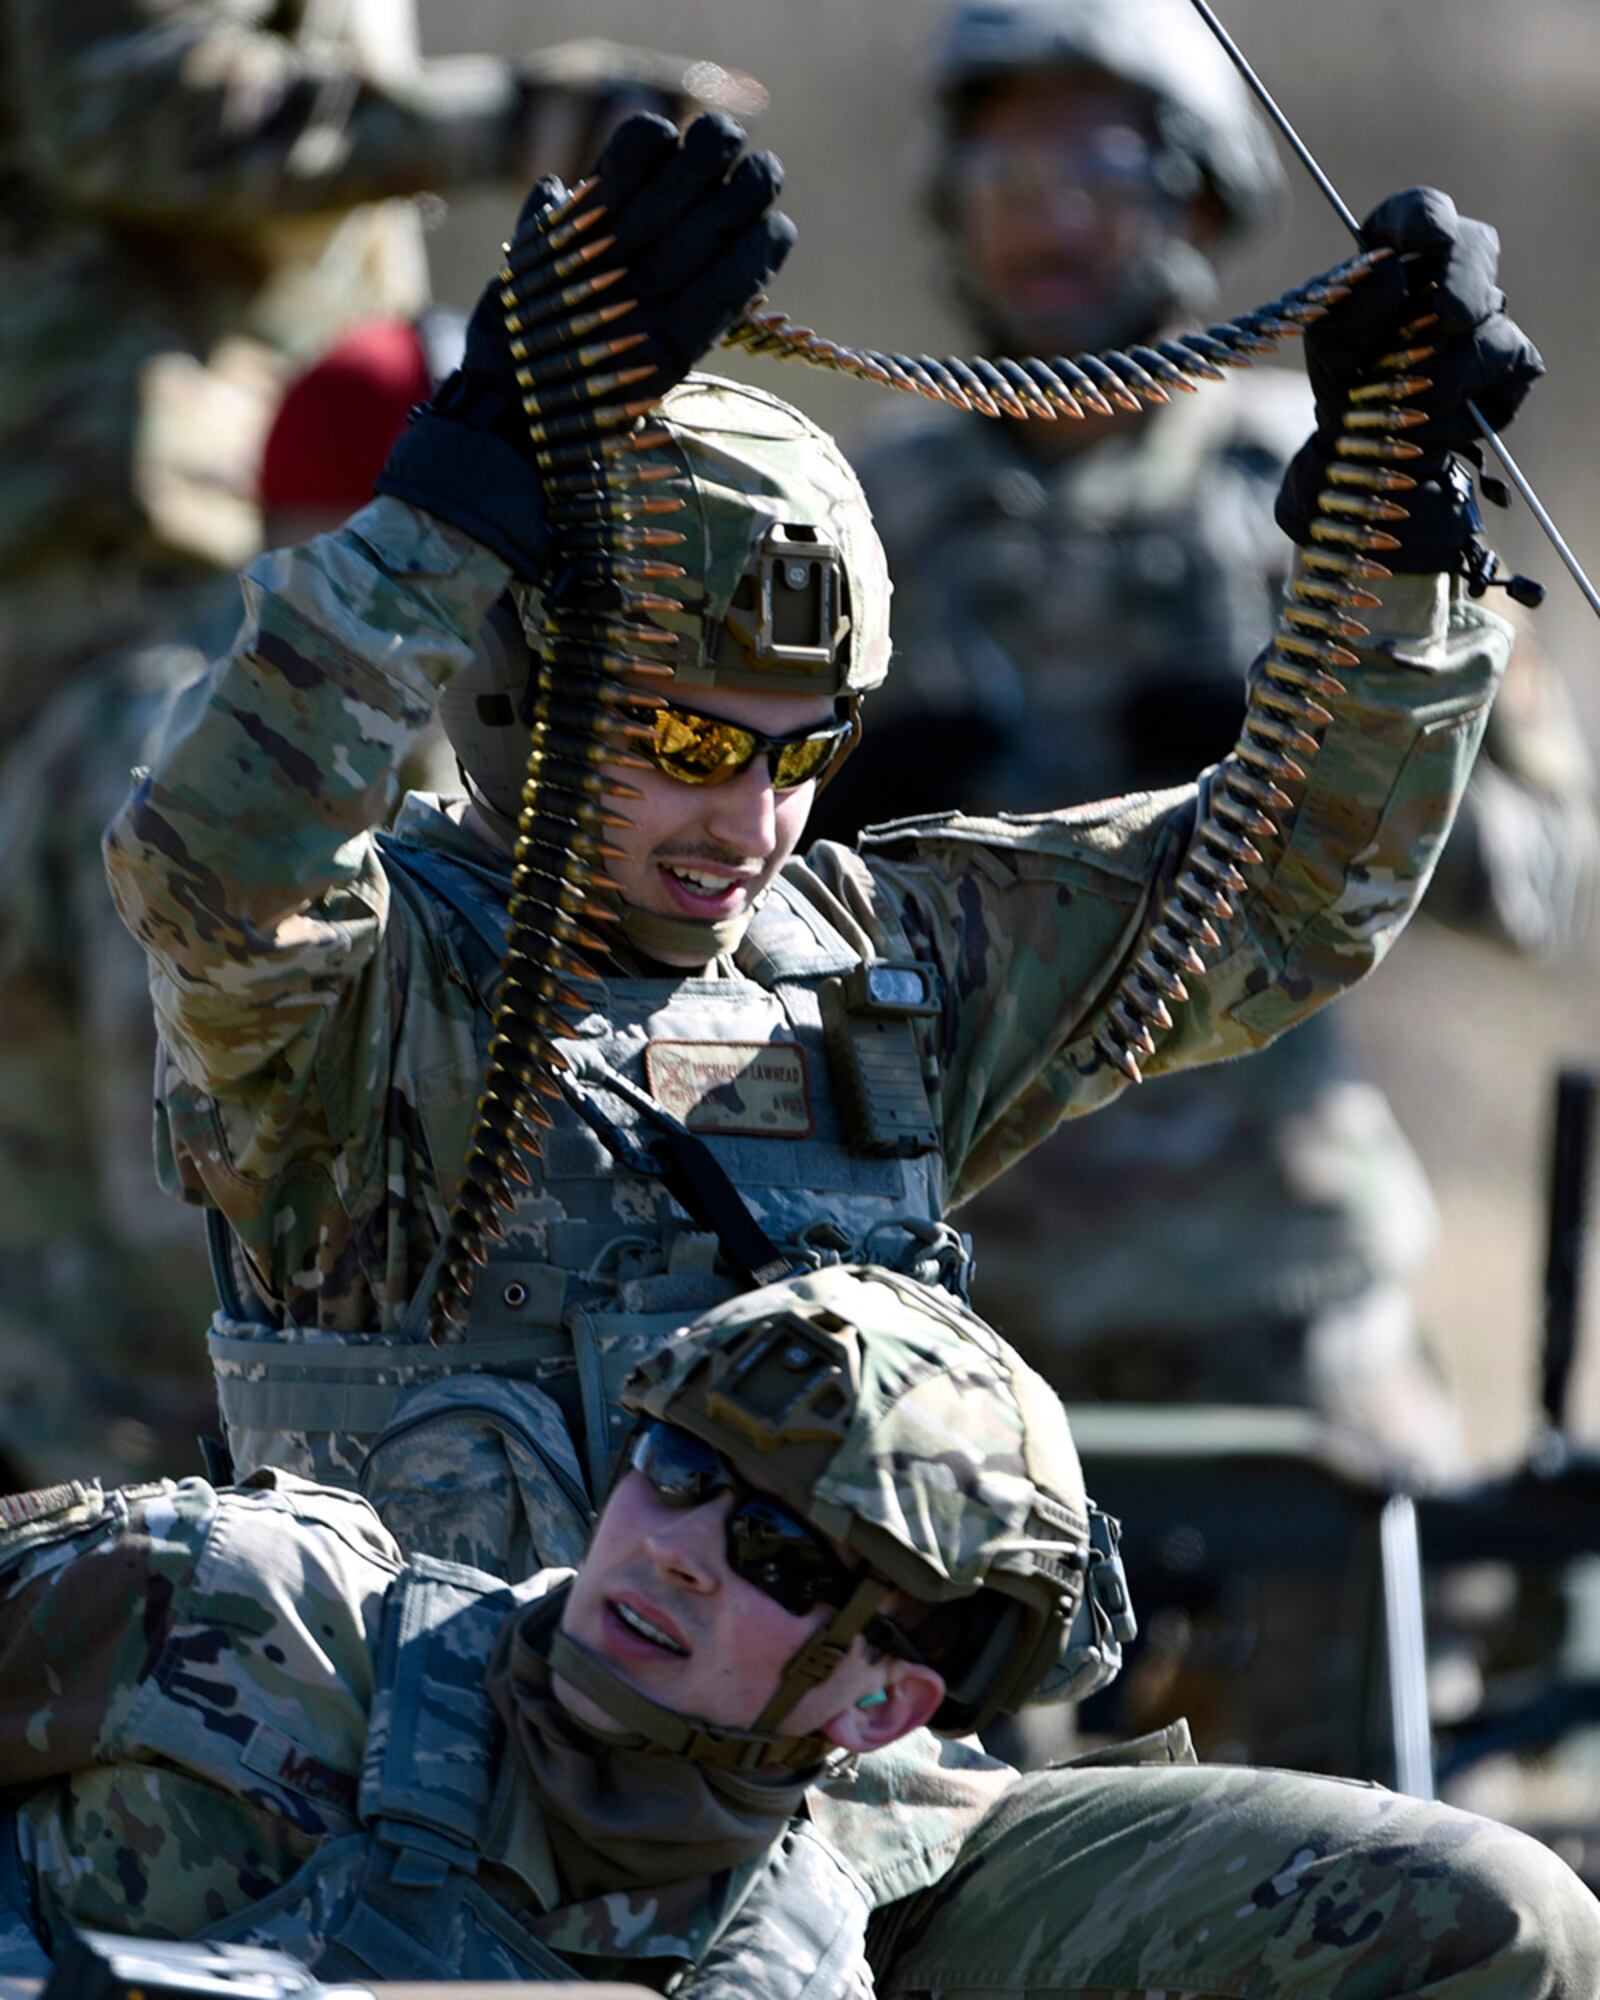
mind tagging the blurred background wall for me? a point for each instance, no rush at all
(1495, 101)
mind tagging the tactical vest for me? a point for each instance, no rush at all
(400, 1897)
(599, 1264)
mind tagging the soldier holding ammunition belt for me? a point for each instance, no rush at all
(798, 1061)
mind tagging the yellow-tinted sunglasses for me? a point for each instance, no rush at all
(707, 750)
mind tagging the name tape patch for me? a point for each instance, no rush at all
(286, 1764)
(753, 1090)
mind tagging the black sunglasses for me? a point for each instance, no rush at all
(768, 1544)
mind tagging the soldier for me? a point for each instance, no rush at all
(98, 1273)
(821, 1054)
(282, 955)
(190, 196)
(846, 1509)
(1073, 602)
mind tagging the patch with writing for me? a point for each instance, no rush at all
(39, 1505)
(752, 1090)
(276, 1757)
(48, 1514)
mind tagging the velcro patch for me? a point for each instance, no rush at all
(50, 1515)
(756, 1090)
(274, 1756)
(17, 1509)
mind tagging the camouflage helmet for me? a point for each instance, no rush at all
(788, 588)
(1204, 114)
(896, 1422)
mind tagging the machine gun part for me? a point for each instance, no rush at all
(1252, 794)
(1567, 1239)
(1543, 1516)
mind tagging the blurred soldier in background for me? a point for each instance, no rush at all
(1071, 605)
(103, 1277)
(190, 198)
(189, 195)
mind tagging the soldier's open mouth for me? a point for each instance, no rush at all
(702, 893)
(637, 1622)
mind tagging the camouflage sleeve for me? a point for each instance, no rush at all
(92, 1585)
(243, 860)
(1032, 920)
(1520, 865)
(201, 114)
(186, 1678)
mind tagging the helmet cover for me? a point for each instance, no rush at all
(896, 1422)
(787, 584)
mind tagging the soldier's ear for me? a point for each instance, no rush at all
(909, 1693)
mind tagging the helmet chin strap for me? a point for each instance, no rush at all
(686, 1736)
(672, 938)
(760, 1748)
(818, 1657)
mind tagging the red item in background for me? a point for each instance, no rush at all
(337, 421)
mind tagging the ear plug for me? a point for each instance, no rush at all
(872, 1700)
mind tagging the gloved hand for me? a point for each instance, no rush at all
(697, 236)
(1446, 267)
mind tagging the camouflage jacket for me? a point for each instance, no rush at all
(1082, 626)
(322, 1050)
(1069, 628)
(238, 1715)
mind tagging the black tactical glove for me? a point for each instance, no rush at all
(1446, 267)
(698, 238)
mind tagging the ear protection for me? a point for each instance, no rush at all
(872, 1700)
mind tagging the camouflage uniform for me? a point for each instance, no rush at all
(190, 194)
(1062, 626)
(349, 1698)
(322, 994)
(240, 1715)
(1072, 612)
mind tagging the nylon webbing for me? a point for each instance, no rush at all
(687, 1168)
(676, 1735)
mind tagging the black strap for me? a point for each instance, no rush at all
(236, 1304)
(693, 1176)
(687, 1168)
(219, 1248)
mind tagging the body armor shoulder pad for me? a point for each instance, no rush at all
(791, 939)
